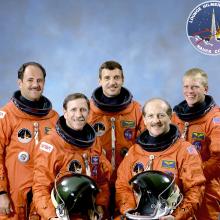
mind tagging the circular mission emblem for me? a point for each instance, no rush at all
(203, 27)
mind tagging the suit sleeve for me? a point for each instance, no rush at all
(193, 183)
(212, 165)
(124, 195)
(105, 171)
(5, 138)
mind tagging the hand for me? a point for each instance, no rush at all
(100, 210)
(133, 213)
(127, 210)
(93, 215)
(168, 217)
(5, 205)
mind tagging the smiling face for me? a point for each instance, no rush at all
(194, 90)
(32, 83)
(111, 82)
(76, 113)
(156, 118)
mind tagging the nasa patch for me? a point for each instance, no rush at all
(24, 136)
(99, 128)
(198, 145)
(75, 167)
(46, 147)
(23, 156)
(128, 134)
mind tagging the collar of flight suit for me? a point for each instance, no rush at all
(121, 101)
(159, 143)
(81, 139)
(40, 108)
(185, 113)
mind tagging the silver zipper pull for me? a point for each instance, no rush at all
(113, 137)
(185, 130)
(150, 162)
(86, 162)
(36, 132)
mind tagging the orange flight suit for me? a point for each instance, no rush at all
(204, 133)
(19, 134)
(55, 155)
(180, 159)
(125, 123)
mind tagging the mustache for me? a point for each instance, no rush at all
(156, 124)
(38, 88)
(81, 118)
(113, 86)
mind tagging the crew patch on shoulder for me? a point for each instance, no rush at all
(75, 166)
(2, 114)
(99, 128)
(24, 136)
(46, 147)
(138, 167)
(216, 120)
(192, 150)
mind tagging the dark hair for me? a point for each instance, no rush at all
(111, 65)
(23, 67)
(168, 111)
(73, 97)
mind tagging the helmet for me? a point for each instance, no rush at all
(157, 195)
(74, 193)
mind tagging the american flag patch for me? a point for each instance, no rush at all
(216, 120)
(192, 150)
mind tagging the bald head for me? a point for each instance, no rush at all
(157, 116)
(157, 102)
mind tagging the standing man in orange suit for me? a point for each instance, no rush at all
(115, 116)
(23, 122)
(198, 119)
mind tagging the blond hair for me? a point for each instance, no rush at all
(197, 73)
